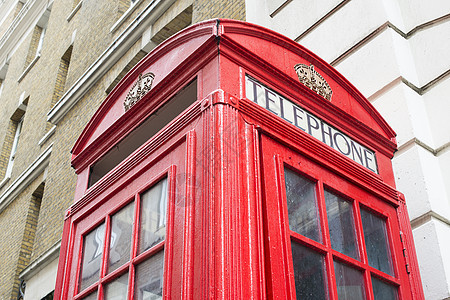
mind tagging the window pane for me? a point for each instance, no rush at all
(309, 273)
(149, 278)
(153, 216)
(92, 296)
(383, 291)
(341, 225)
(350, 282)
(117, 289)
(92, 256)
(377, 246)
(121, 231)
(302, 206)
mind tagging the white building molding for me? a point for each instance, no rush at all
(25, 179)
(108, 58)
(382, 28)
(41, 262)
(24, 22)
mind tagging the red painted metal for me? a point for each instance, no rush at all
(227, 228)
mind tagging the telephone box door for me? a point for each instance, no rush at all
(327, 237)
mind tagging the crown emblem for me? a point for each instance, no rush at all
(141, 87)
(313, 80)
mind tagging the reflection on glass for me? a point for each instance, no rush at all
(117, 289)
(341, 225)
(377, 246)
(153, 216)
(121, 230)
(92, 256)
(309, 273)
(149, 278)
(350, 282)
(92, 296)
(383, 291)
(302, 205)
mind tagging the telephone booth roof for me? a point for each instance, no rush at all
(259, 51)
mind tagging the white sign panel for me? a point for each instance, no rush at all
(309, 123)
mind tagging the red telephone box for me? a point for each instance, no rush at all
(233, 163)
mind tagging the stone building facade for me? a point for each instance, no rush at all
(59, 59)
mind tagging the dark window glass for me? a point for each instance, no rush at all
(149, 278)
(117, 289)
(350, 282)
(121, 231)
(153, 216)
(92, 256)
(309, 273)
(302, 206)
(383, 291)
(342, 225)
(377, 246)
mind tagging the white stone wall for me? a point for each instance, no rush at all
(42, 283)
(397, 53)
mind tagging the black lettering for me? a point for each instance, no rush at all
(355, 150)
(367, 159)
(255, 91)
(269, 100)
(282, 110)
(310, 118)
(296, 109)
(337, 144)
(327, 133)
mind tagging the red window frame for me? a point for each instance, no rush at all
(279, 261)
(136, 258)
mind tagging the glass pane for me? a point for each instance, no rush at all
(341, 225)
(153, 216)
(149, 278)
(92, 256)
(377, 246)
(383, 291)
(121, 231)
(350, 282)
(92, 296)
(117, 289)
(302, 205)
(309, 273)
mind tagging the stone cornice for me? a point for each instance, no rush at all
(41, 262)
(25, 179)
(24, 21)
(108, 58)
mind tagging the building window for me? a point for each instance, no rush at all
(49, 296)
(61, 76)
(12, 157)
(11, 142)
(123, 249)
(60, 83)
(28, 239)
(37, 40)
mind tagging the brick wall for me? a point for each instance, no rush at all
(87, 34)
(18, 223)
(210, 9)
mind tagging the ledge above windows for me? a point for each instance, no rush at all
(127, 13)
(25, 72)
(74, 11)
(108, 58)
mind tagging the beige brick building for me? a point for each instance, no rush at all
(58, 61)
(60, 58)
